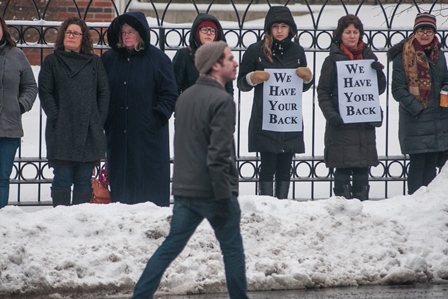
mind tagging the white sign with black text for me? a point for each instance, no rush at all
(282, 101)
(358, 92)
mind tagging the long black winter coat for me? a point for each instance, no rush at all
(291, 56)
(183, 62)
(261, 140)
(353, 145)
(144, 94)
(74, 93)
(420, 130)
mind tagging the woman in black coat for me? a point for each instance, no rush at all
(275, 51)
(205, 29)
(74, 93)
(144, 94)
(419, 73)
(350, 148)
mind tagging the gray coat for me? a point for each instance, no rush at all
(352, 145)
(74, 93)
(17, 88)
(420, 130)
(204, 150)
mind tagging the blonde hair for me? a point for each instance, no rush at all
(267, 45)
(140, 45)
(269, 40)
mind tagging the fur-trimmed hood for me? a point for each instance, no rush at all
(398, 48)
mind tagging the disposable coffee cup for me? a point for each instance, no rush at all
(443, 98)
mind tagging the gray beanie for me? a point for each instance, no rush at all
(208, 54)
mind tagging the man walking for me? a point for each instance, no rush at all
(205, 179)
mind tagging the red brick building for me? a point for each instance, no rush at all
(53, 11)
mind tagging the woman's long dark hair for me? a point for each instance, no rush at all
(6, 35)
(86, 43)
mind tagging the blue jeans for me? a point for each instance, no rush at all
(188, 213)
(78, 175)
(8, 148)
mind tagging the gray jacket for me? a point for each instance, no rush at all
(17, 88)
(421, 130)
(204, 150)
(74, 93)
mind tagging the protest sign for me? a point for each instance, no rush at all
(282, 101)
(358, 92)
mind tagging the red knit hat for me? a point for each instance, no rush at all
(425, 19)
(206, 23)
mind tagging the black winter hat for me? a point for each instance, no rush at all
(279, 14)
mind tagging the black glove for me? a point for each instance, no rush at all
(220, 212)
(336, 121)
(377, 124)
(160, 117)
(377, 66)
(22, 109)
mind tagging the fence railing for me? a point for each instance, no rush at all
(310, 178)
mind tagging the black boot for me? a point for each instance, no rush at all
(346, 191)
(265, 188)
(364, 194)
(342, 185)
(61, 197)
(281, 189)
(80, 197)
(361, 186)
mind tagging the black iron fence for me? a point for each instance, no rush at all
(385, 25)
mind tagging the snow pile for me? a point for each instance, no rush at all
(288, 245)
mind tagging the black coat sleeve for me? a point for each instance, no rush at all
(326, 88)
(248, 64)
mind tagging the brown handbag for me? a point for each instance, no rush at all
(100, 187)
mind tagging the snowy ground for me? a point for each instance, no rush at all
(288, 245)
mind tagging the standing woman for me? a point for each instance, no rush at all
(350, 148)
(205, 29)
(419, 73)
(18, 93)
(144, 94)
(74, 93)
(275, 51)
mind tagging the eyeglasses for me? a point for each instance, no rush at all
(427, 32)
(206, 30)
(130, 32)
(74, 33)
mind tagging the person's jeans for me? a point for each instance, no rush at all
(188, 213)
(8, 148)
(78, 175)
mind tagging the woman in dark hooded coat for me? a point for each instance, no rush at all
(419, 73)
(350, 148)
(275, 51)
(143, 96)
(206, 28)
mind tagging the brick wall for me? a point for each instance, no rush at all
(56, 10)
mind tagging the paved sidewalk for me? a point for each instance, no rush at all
(366, 292)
